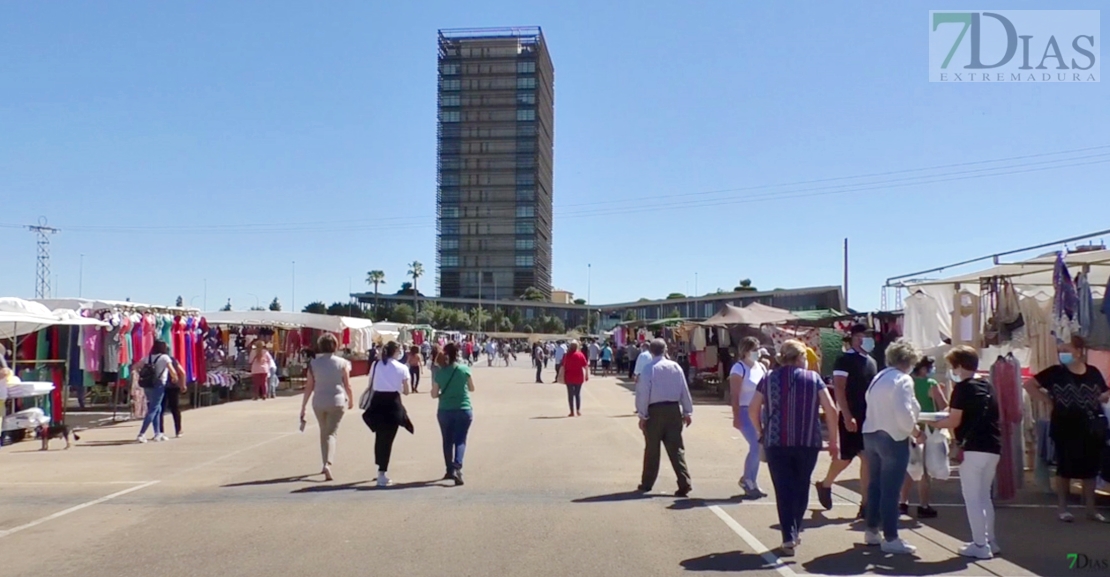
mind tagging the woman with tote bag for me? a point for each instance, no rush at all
(383, 411)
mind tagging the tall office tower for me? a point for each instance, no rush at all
(496, 153)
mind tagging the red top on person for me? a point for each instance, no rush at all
(574, 368)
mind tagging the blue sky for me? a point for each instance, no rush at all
(178, 142)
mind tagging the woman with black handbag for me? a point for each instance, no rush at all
(452, 386)
(383, 411)
(1076, 391)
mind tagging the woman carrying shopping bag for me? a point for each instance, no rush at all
(383, 411)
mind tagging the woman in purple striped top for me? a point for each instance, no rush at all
(785, 413)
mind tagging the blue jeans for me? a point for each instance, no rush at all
(791, 471)
(454, 425)
(751, 462)
(153, 409)
(887, 461)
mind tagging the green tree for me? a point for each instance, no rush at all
(593, 322)
(376, 278)
(629, 315)
(347, 309)
(527, 329)
(745, 286)
(416, 270)
(226, 307)
(579, 301)
(275, 305)
(516, 319)
(406, 289)
(402, 314)
(532, 294)
(180, 302)
(674, 296)
(552, 325)
(316, 307)
(675, 314)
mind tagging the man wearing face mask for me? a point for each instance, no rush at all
(853, 372)
(1075, 390)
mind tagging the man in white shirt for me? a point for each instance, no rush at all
(560, 352)
(642, 361)
(594, 355)
(664, 405)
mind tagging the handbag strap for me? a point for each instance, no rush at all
(449, 380)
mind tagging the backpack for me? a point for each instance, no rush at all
(148, 375)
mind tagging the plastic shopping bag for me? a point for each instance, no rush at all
(917, 461)
(936, 455)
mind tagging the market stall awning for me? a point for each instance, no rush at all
(20, 317)
(81, 304)
(328, 323)
(755, 314)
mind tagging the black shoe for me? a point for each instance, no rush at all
(449, 476)
(904, 508)
(643, 489)
(683, 492)
(824, 496)
(458, 479)
(926, 513)
(861, 513)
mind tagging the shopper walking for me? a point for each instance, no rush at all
(329, 387)
(261, 364)
(452, 386)
(631, 353)
(892, 412)
(594, 355)
(932, 398)
(386, 413)
(560, 354)
(171, 401)
(664, 405)
(784, 412)
(539, 360)
(606, 359)
(745, 376)
(853, 372)
(415, 362)
(1075, 391)
(976, 418)
(574, 373)
(156, 372)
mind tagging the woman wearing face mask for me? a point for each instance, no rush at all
(743, 380)
(1075, 391)
(975, 417)
(931, 398)
(386, 414)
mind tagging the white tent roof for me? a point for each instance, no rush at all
(283, 319)
(21, 317)
(79, 304)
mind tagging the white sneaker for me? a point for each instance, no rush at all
(996, 549)
(976, 551)
(872, 538)
(159, 438)
(140, 439)
(787, 549)
(898, 547)
(383, 481)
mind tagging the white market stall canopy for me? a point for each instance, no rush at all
(283, 319)
(80, 304)
(20, 317)
(930, 303)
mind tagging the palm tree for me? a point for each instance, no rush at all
(375, 277)
(416, 270)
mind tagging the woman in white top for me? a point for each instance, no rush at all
(386, 413)
(743, 379)
(329, 387)
(892, 412)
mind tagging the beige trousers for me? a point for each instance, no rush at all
(329, 432)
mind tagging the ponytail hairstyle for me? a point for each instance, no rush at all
(391, 349)
(451, 351)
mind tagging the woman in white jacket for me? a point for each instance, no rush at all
(892, 412)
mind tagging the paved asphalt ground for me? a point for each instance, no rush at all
(545, 495)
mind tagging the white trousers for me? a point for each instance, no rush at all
(976, 477)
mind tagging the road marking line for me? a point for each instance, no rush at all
(754, 543)
(234, 453)
(74, 509)
(36, 483)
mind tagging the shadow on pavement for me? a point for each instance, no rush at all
(862, 559)
(545, 418)
(617, 497)
(277, 481)
(686, 504)
(106, 443)
(411, 485)
(730, 561)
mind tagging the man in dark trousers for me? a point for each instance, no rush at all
(664, 405)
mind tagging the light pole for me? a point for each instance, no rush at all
(257, 303)
(205, 294)
(81, 278)
(293, 302)
(589, 290)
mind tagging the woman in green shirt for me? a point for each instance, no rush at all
(452, 386)
(931, 397)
